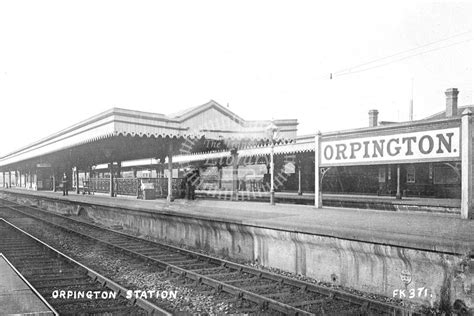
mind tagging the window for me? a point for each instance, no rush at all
(445, 175)
(411, 174)
(382, 174)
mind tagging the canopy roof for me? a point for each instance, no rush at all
(303, 144)
(119, 134)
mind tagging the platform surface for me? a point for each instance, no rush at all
(16, 297)
(309, 197)
(419, 230)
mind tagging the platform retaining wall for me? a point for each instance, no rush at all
(369, 267)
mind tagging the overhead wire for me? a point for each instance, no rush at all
(399, 59)
(350, 70)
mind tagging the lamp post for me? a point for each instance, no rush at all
(272, 128)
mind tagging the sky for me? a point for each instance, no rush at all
(64, 61)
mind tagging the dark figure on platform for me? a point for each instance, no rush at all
(182, 188)
(65, 184)
(192, 179)
(139, 189)
(187, 185)
(195, 183)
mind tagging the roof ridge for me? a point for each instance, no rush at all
(444, 111)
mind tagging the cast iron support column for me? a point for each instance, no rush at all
(272, 129)
(300, 192)
(169, 198)
(54, 180)
(272, 172)
(9, 179)
(317, 161)
(111, 169)
(235, 174)
(466, 165)
(399, 194)
(219, 176)
(77, 181)
(118, 175)
(92, 187)
(4, 179)
(157, 170)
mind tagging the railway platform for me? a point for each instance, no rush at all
(360, 201)
(420, 230)
(374, 251)
(16, 296)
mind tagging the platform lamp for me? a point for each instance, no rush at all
(272, 129)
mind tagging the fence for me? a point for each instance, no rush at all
(132, 186)
(253, 185)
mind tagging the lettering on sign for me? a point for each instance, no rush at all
(407, 147)
(421, 292)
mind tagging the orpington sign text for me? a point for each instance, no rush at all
(434, 145)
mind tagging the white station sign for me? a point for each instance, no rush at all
(43, 165)
(434, 145)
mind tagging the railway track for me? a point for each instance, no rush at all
(54, 276)
(266, 291)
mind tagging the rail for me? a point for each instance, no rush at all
(268, 290)
(103, 281)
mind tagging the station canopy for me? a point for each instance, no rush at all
(300, 145)
(120, 135)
